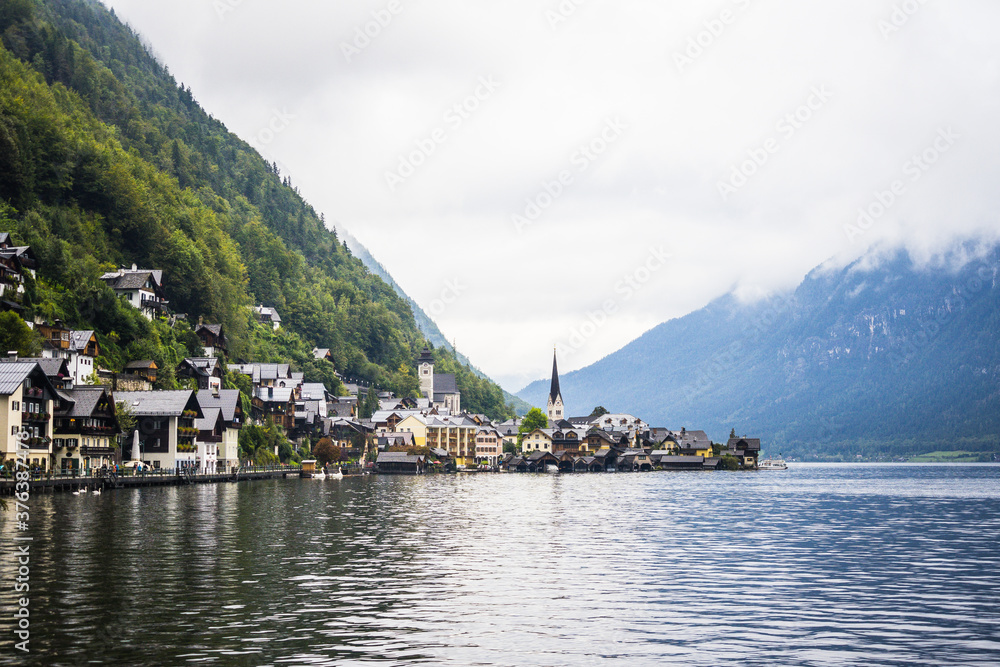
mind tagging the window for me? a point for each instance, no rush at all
(13, 430)
(15, 406)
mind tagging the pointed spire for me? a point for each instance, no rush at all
(554, 390)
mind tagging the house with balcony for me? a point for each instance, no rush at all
(140, 288)
(15, 263)
(26, 399)
(268, 316)
(213, 339)
(143, 368)
(57, 370)
(278, 403)
(206, 371)
(85, 430)
(80, 349)
(167, 426)
(224, 430)
(489, 446)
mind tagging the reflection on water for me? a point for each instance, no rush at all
(819, 565)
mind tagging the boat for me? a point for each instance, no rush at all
(337, 475)
(552, 468)
(773, 464)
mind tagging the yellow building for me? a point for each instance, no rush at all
(455, 435)
(26, 398)
(539, 440)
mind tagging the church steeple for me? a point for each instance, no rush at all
(555, 404)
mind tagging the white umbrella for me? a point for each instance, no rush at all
(135, 445)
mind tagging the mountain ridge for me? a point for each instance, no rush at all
(889, 356)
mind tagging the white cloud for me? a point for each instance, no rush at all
(657, 184)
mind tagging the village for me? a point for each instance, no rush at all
(76, 418)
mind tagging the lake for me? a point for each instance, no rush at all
(818, 565)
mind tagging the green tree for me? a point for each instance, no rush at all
(534, 419)
(732, 433)
(16, 336)
(729, 462)
(598, 412)
(369, 405)
(126, 421)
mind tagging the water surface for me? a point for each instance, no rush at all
(818, 565)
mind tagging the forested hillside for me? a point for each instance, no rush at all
(882, 357)
(105, 161)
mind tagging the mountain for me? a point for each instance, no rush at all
(106, 161)
(879, 357)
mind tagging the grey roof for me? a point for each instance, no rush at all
(269, 313)
(225, 401)
(203, 365)
(78, 340)
(275, 394)
(314, 391)
(128, 279)
(399, 457)
(14, 373)
(144, 363)
(216, 329)
(444, 383)
(84, 401)
(669, 458)
(321, 352)
(751, 443)
(156, 403)
(207, 423)
(440, 453)
(52, 367)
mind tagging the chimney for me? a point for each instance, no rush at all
(12, 355)
(135, 268)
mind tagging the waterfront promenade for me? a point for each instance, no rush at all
(108, 479)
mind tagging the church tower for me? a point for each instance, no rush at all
(425, 371)
(555, 405)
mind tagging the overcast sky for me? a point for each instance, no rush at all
(539, 173)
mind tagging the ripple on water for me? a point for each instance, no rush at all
(824, 565)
